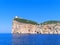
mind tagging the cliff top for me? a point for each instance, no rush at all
(51, 22)
(25, 21)
(33, 22)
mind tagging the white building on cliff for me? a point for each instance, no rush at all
(16, 16)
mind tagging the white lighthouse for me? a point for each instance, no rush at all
(16, 16)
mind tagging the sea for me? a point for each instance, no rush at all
(29, 39)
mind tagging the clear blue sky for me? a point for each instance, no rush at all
(37, 10)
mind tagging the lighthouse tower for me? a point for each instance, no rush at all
(16, 16)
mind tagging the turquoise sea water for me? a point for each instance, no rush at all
(29, 39)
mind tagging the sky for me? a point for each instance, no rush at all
(37, 10)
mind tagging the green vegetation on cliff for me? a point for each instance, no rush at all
(51, 22)
(33, 22)
(25, 21)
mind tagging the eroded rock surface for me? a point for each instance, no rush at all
(19, 27)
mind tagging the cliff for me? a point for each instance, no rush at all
(27, 26)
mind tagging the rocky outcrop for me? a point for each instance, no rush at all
(23, 28)
(19, 27)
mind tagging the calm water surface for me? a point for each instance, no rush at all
(29, 39)
(5, 39)
(36, 39)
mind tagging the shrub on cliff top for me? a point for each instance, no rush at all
(25, 21)
(51, 22)
(32, 22)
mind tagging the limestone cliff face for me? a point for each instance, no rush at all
(19, 27)
(23, 28)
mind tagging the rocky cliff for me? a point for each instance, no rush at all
(26, 26)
